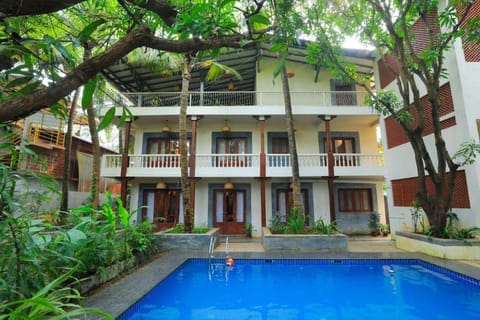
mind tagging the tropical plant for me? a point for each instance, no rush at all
(53, 301)
(248, 230)
(276, 224)
(324, 228)
(417, 215)
(295, 223)
(374, 222)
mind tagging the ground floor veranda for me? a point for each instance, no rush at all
(233, 204)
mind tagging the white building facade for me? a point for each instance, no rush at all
(238, 146)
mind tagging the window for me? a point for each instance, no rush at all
(280, 145)
(355, 200)
(341, 145)
(164, 145)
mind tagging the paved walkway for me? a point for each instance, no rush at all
(120, 295)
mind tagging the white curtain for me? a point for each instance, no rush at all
(150, 205)
(219, 207)
(240, 207)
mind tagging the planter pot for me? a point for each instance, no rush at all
(193, 241)
(304, 242)
(436, 247)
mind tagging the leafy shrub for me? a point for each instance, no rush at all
(320, 227)
(295, 223)
(276, 225)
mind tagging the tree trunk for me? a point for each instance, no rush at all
(292, 145)
(68, 156)
(92, 126)
(188, 212)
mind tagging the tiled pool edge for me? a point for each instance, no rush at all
(119, 296)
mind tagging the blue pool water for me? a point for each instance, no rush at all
(310, 289)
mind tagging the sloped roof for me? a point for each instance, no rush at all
(127, 77)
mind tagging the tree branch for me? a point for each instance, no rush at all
(16, 8)
(22, 106)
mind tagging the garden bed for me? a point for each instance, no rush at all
(195, 241)
(304, 242)
(451, 249)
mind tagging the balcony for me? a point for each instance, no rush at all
(46, 137)
(245, 165)
(247, 98)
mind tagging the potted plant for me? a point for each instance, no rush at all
(248, 230)
(374, 223)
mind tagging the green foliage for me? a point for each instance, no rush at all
(417, 215)
(321, 227)
(276, 225)
(374, 222)
(295, 223)
(467, 154)
(53, 301)
(180, 228)
(40, 262)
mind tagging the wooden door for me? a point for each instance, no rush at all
(229, 211)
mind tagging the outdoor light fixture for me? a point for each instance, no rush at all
(166, 128)
(161, 185)
(228, 185)
(230, 86)
(226, 128)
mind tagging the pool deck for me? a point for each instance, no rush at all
(117, 296)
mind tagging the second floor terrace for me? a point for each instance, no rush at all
(246, 103)
(245, 165)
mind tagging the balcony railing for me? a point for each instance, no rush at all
(243, 164)
(46, 136)
(248, 98)
(227, 160)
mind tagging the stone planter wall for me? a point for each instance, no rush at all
(169, 241)
(440, 248)
(304, 242)
(105, 275)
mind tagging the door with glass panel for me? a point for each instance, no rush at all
(167, 150)
(231, 150)
(164, 208)
(343, 147)
(229, 211)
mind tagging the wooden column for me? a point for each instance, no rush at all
(263, 210)
(192, 159)
(124, 167)
(331, 170)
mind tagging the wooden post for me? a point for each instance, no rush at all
(331, 170)
(263, 210)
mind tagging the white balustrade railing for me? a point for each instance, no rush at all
(244, 160)
(248, 98)
(357, 160)
(227, 160)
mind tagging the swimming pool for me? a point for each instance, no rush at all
(310, 289)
